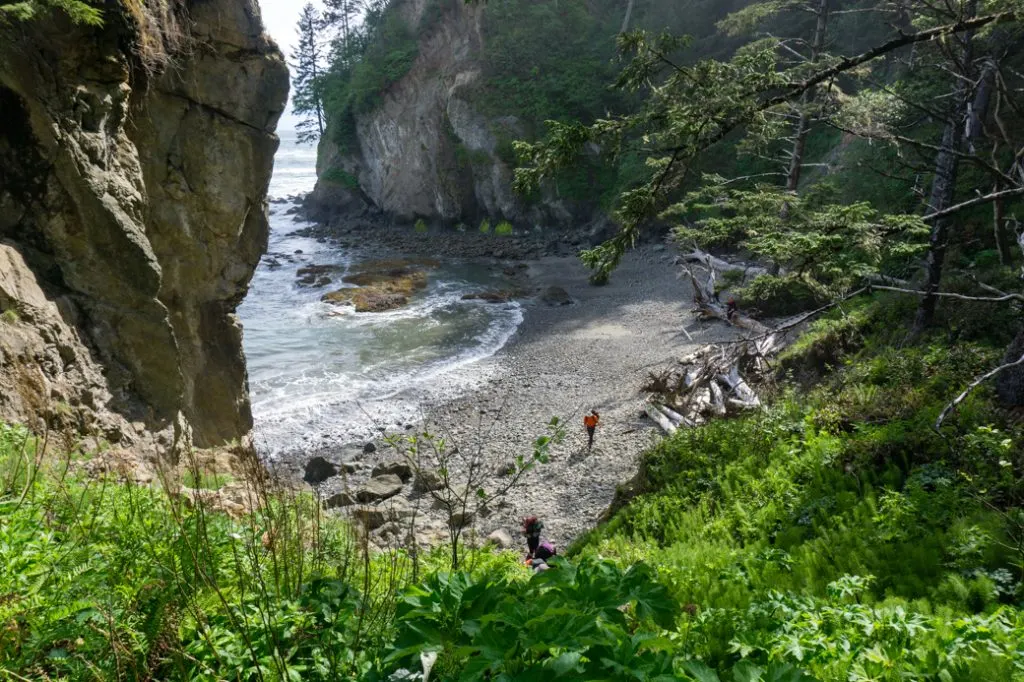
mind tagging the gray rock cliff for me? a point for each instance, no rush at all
(134, 165)
(425, 150)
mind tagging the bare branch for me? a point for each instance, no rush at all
(950, 294)
(973, 385)
(977, 201)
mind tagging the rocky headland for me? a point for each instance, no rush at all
(134, 164)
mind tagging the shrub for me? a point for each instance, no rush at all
(342, 177)
(503, 229)
(485, 226)
(10, 316)
(420, 226)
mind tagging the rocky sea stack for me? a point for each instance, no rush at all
(134, 164)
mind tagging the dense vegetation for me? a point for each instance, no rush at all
(838, 535)
(834, 537)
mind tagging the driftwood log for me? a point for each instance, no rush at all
(716, 381)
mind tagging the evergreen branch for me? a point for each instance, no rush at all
(844, 65)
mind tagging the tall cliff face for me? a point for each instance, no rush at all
(425, 150)
(134, 165)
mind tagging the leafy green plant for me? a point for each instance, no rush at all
(420, 226)
(503, 229)
(28, 10)
(575, 622)
(485, 226)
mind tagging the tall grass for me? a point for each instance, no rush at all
(105, 579)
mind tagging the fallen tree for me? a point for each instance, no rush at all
(715, 381)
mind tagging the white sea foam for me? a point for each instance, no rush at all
(318, 376)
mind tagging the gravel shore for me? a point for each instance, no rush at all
(564, 361)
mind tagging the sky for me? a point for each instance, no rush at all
(280, 18)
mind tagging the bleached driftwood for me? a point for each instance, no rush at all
(705, 258)
(675, 417)
(708, 305)
(658, 418)
(742, 392)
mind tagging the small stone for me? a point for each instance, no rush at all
(508, 469)
(502, 538)
(399, 468)
(370, 448)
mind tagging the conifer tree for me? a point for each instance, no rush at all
(307, 76)
(340, 17)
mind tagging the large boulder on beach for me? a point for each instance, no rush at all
(374, 517)
(427, 481)
(502, 538)
(379, 488)
(397, 467)
(319, 470)
(342, 499)
(555, 296)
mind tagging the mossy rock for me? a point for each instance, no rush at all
(367, 299)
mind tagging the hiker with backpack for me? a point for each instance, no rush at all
(591, 421)
(538, 551)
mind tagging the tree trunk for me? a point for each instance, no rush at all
(979, 107)
(1002, 239)
(944, 184)
(1010, 384)
(803, 125)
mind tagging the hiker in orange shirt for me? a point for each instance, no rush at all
(590, 421)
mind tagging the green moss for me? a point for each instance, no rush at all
(341, 177)
(10, 316)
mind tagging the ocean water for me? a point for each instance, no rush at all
(321, 376)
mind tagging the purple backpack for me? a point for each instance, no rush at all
(545, 550)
